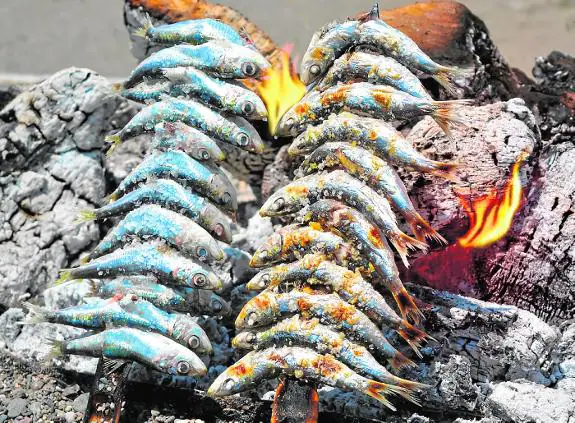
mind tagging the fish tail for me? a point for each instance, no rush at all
(115, 140)
(65, 276)
(57, 349)
(403, 243)
(445, 113)
(409, 395)
(413, 336)
(407, 306)
(36, 314)
(117, 87)
(410, 385)
(85, 216)
(145, 28)
(446, 170)
(400, 361)
(378, 390)
(447, 77)
(422, 229)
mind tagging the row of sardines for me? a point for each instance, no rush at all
(325, 279)
(152, 274)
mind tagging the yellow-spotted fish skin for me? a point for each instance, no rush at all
(296, 331)
(375, 69)
(269, 307)
(304, 363)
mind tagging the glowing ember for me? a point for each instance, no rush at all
(280, 90)
(491, 215)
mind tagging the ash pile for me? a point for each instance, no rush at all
(502, 316)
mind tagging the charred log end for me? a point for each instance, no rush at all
(170, 11)
(295, 402)
(451, 34)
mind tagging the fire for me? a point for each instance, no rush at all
(491, 215)
(281, 89)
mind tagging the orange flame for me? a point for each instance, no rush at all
(491, 215)
(281, 89)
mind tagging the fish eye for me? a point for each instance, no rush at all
(226, 198)
(243, 139)
(289, 122)
(263, 254)
(250, 337)
(265, 280)
(204, 154)
(229, 384)
(134, 297)
(314, 69)
(219, 229)
(248, 108)
(279, 204)
(202, 253)
(200, 280)
(252, 319)
(183, 367)
(217, 306)
(249, 69)
(193, 342)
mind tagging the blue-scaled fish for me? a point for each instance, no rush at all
(311, 333)
(269, 307)
(127, 311)
(377, 174)
(181, 137)
(195, 31)
(154, 259)
(303, 363)
(375, 69)
(181, 299)
(149, 349)
(191, 113)
(374, 135)
(220, 58)
(155, 222)
(170, 195)
(341, 186)
(377, 101)
(205, 180)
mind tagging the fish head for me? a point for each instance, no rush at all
(248, 104)
(236, 378)
(299, 115)
(287, 200)
(226, 194)
(205, 151)
(269, 252)
(183, 363)
(246, 136)
(260, 281)
(305, 142)
(261, 310)
(213, 304)
(202, 247)
(189, 333)
(245, 340)
(240, 61)
(205, 279)
(217, 223)
(315, 63)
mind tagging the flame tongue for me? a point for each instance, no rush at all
(491, 215)
(280, 90)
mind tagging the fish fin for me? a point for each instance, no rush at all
(446, 170)
(110, 366)
(413, 336)
(407, 306)
(65, 276)
(411, 385)
(57, 349)
(85, 216)
(422, 229)
(409, 396)
(446, 116)
(37, 314)
(118, 87)
(378, 389)
(115, 140)
(372, 15)
(403, 243)
(146, 26)
(400, 361)
(446, 76)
